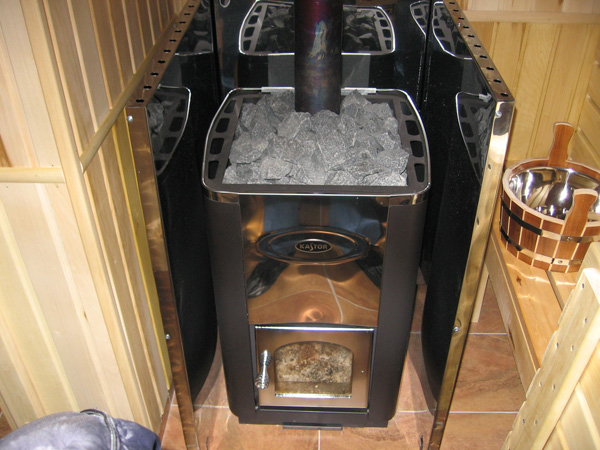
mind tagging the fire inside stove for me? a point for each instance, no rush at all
(313, 369)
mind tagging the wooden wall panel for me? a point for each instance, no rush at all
(548, 65)
(40, 366)
(118, 22)
(89, 62)
(107, 47)
(79, 318)
(63, 305)
(81, 112)
(164, 13)
(586, 147)
(569, 60)
(134, 33)
(486, 33)
(508, 51)
(154, 17)
(540, 6)
(145, 25)
(530, 84)
(24, 126)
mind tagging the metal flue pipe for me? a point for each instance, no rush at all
(318, 55)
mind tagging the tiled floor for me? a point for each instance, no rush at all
(487, 398)
(489, 392)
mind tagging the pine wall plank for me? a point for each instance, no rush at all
(545, 6)
(74, 262)
(24, 126)
(143, 17)
(107, 47)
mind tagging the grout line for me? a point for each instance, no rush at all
(210, 406)
(403, 411)
(484, 412)
(487, 334)
(319, 440)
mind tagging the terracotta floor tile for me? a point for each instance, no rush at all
(218, 428)
(490, 319)
(476, 431)
(488, 379)
(404, 431)
(413, 391)
(172, 438)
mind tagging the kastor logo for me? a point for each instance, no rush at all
(313, 246)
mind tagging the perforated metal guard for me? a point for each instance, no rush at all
(254, 20)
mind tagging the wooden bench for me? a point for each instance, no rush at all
(530, 301)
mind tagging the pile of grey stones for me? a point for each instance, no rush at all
(274, 144)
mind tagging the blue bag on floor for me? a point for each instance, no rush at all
(88, 430)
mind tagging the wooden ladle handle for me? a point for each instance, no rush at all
(558, 153)
(577, 216)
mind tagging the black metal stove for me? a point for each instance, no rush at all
(314, 285)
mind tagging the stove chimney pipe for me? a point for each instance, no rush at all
(318, 55)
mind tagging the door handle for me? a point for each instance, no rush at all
(262, 379)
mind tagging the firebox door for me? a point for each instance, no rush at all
(313, 366)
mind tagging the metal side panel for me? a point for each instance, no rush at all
(224, 229)
(396, 310)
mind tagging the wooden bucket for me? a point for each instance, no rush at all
(533, 224)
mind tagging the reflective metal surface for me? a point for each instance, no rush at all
(338, 286)
(168, 112)
(319, 245)
(394, 62)
(474, 114)
(261, 36)
(318, 55)
(186, 40)
(461, 81)
(137, 122)
(549, 190)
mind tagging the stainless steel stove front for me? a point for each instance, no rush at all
(313, 259)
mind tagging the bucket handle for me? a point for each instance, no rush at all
(577, 216)
(558, 153)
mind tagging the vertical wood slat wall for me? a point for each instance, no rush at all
(548, 52)
(79, 318)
